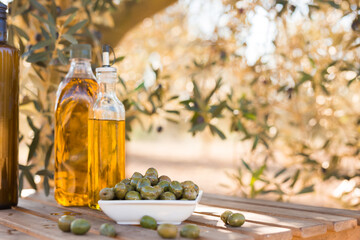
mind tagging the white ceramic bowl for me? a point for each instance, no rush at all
(164, 211)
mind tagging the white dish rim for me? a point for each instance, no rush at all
(152, 202)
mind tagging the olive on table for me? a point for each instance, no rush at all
(153, 178)
(80, 226)
(107, 194)
(107, 229)
(120, 190)
(190, 231)
(137, 175)
(64, 222)
(167, 230)
(164, 184)
(225, 215)
(152, 171)
(176, 188)
(164, 178)
(132, 195)
(236, 220)
(189, 193)
(167, 196)
(148, 222)
(142, 183)
(149, 193)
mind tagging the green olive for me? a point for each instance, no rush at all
(176, 188)
(149, 193)
(148, 222)
(130, 188)
(126, 181)
(159, 190)
(132, 195)
(190, 231)
(188, 184)
(225, 215)
(164, 185)
(152, 171)
(236, 220)
(153, 178)
(167, 230)
(107, 229)
(142, 183)
(134, 182)
(137, 175)
(120, 190)
(167, 196)
(80, 226)
(107, 194)
(64, 222)
(184, 199)
(164, 178)
(196, 188)
(190, 193)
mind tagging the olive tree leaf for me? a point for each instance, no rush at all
(256, 140)
(69, 19)
(62, 57)
(69, 11)
(214, 129)
(48, 155)
(21, 32)
(281, 171)
(217, 86)
(38, 57)
(38, 6)
(307, 189)
(42, 44)
(198, 127)
(76, 27)
(295, 178)
(69, 38)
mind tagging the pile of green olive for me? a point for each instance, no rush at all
(150, 187)
(167, 230)
(232, 219)
(68, 223)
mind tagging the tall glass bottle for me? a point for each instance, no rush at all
(106, 134)
(9, 117)
(76, 93)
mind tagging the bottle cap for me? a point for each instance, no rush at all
(3, 8)
(80, 51)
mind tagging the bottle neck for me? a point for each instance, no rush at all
(107, 88)
(3, 30)
(80, 67)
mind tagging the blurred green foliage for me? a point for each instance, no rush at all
(262, 109)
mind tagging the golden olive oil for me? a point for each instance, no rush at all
(9, 117)
(75, 97)
(106, 156)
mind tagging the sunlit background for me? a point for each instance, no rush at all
(288, 100)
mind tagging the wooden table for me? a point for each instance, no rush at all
(36, 218)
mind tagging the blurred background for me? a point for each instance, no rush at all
(253, 98)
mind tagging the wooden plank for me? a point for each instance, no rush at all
(334, 223)
(350, 234)
(7, 233)
(308, 208)
(258, 231)
(50, 210)
(38, 227)
(299, 227)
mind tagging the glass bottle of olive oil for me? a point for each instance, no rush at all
(9, 117)
(75, 96)
(106, 134)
